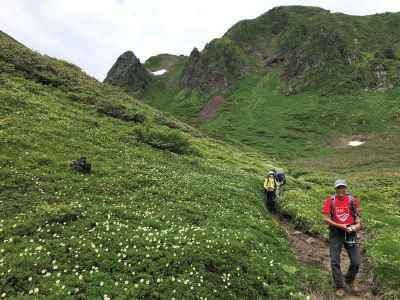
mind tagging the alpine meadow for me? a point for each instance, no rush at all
(150, 184)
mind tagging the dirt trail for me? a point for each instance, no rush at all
(314, 250)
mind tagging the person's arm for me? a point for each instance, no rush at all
(357, 226)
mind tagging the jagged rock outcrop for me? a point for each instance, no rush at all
(215, 68)
(190, 76)
(129, 73)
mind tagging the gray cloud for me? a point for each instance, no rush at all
(93, 33)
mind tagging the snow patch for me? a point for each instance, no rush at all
(355, 143)
(159, 72)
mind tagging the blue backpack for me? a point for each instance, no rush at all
(280, 177)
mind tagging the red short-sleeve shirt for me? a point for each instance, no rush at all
(342, 213)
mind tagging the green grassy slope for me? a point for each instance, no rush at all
(258, 114)
(302, 125)
(164, 61)
(166, 213)
(321, 50)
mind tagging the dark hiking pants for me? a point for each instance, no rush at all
(336, 243)
(270, 200)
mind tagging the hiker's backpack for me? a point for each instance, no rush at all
(280, 177)
(81, 165)
(353, 209)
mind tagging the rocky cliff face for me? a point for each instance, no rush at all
(215, 68)
(128, 73)
(190, 74)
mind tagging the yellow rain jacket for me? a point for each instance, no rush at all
(270, 183)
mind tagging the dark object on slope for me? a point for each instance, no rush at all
(210, 266)
(81, 165)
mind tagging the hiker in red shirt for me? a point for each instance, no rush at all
(341, 212)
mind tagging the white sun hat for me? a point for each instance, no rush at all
(340, 182)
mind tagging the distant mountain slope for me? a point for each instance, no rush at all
(316, 50)
(164, 61)
(321, 50)
(292, 80)
(258, 64)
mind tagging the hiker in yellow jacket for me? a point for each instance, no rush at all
(270, 186)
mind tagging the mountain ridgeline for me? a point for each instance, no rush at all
(312, 48)
(287, 82)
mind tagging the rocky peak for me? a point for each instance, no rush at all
(189, 75)
(128, 73)
(215, 68)
(195, 53)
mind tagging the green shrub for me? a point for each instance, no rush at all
(164, 139)
(120, 113)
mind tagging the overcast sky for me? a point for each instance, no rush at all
(93, 33)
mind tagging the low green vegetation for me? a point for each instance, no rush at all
(164, 213)
(256, 113)
(164, 61)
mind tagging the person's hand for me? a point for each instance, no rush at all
(342, 226)
(357, 227)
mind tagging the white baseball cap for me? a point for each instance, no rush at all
(340, 182)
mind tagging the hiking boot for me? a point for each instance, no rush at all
(354, 288)
(340, 293)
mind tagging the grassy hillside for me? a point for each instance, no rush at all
(319, 50)
(164, 61)
(307, 125)
(165, 212)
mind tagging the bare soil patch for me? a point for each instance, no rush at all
(211, 109)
